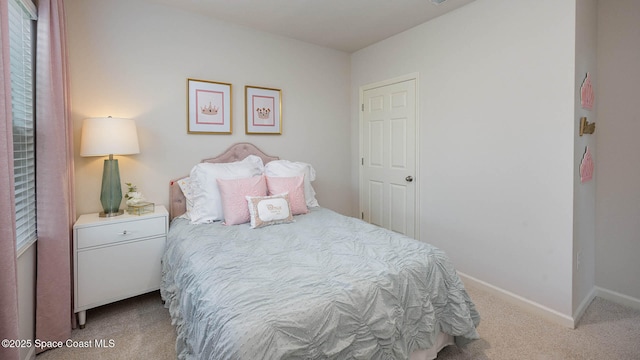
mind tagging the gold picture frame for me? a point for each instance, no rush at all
(263, 110)
(208, 107)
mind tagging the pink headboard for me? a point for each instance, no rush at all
(237, 152)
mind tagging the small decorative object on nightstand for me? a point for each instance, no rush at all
(116, 257)
(136, 205)
(141, 208)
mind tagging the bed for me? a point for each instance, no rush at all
(322, 286)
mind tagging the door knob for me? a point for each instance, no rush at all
(409, 178)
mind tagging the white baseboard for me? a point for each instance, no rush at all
(617, 297)
(520, 301)
(551, 314)
(577, 315)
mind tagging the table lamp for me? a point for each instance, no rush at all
(109, 136)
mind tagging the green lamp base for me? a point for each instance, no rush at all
(111, 193)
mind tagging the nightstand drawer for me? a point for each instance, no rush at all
(121, 231)
(112, 273)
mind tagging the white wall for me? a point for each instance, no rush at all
(584, 193)
(497, 128)
(129, 58)
(617, 166)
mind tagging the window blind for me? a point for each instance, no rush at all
(21, 45)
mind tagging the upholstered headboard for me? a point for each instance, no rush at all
(237, 152)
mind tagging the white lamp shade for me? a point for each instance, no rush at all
(108, 136)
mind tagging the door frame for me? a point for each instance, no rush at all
(417, 177)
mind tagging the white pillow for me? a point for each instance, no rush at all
(286, 168)
(185, 186)
(207, 203)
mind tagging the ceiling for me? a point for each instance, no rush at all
(345, 25)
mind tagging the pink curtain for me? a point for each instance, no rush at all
(8, 271)
(55, 177)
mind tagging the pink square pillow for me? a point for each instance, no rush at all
(234, 203)
(292, 185)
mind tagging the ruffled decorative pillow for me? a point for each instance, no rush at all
(185, 186)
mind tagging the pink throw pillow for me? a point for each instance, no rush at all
(292, 185)
(234, 204)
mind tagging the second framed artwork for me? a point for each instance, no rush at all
(263, 110)
(209, 107)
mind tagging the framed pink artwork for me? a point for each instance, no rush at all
(208, 107)
(263, 110)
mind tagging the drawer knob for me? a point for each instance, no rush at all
(123, 232)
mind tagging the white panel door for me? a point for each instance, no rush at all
(388, 188)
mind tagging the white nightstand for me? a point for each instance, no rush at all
(116, 258)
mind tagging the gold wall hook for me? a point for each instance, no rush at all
(586, 127)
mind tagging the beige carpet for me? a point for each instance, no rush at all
(141, 329)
